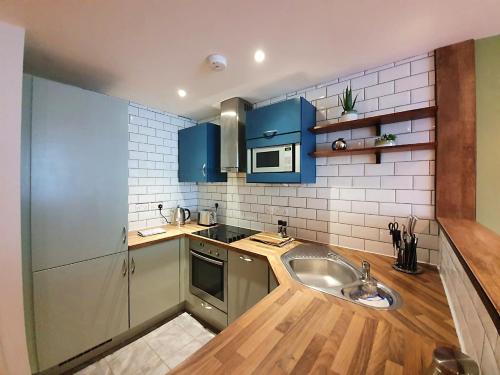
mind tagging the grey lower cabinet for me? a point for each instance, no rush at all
(248, 282)
(154, 280)
(79, 306)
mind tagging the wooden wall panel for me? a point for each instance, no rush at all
(456, 131)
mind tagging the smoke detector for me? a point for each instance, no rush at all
(217, 62)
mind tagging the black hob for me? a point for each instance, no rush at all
(226, 233)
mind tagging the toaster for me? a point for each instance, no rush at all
(207, 218)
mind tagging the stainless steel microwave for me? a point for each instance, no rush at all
(282, 158)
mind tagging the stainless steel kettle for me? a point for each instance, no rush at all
(179, 215)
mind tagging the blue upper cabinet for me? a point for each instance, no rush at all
(284, 124)
(280, 118)
(199, 154)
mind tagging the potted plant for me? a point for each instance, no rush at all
(348, 104)
(385, 140)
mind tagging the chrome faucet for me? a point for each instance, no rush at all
(365, 271)
(369, 285)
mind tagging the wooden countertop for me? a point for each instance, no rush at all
(298, 330)
(478, 249)
(173, 231)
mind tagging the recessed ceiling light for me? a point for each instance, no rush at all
(259, 56)
(182, 93)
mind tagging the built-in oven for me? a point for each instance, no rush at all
(281, 158)
(208, 273)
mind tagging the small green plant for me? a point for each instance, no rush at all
(384, 139)
(346, 100)
(388, 137)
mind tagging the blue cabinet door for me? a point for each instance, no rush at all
(199, 154)
(274, 119)
(192, 154)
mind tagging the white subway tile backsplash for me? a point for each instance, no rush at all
(413, 196)
(413, 168)
(422, 65)
(396, 128)
(353, 198)
(382, 169)
(412, 82)
(339, 205)
(396, 182)
(394, 73)
(395, 100)
(314, 94)
(422, 94)
(306, 213)
(380, 195)
(366, 182)
(377, 221)
(368, 105)
(395, 209)
(423, 124)
(351, 242)
(364, 207)
(351, 170)
(364, 81)
(352, 194)
(382, 89)
(351, 218)
(423, 182)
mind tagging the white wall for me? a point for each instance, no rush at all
(153, 166)
(13, 350)
(353, 198)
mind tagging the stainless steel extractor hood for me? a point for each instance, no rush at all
(232, 122)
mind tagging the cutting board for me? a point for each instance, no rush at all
(269, 238)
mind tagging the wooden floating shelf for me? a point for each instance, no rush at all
(413, 114)
(374, 150)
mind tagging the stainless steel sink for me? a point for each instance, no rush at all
(320, 268)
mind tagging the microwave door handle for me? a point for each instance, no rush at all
(213, 261)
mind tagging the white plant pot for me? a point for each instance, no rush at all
(385, 143)
(349, 116)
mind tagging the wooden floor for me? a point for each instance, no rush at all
(297, 330)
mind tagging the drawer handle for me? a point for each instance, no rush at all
(124, 268)
(206, 306)
(269, 133)
(246, 259)
(132, 264)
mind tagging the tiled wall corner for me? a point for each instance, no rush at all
(476, 331)
(353, 198)
(153, 166)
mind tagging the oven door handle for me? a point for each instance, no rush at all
(210, 260)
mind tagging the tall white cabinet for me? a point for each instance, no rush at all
(79, 174)
(79, 200)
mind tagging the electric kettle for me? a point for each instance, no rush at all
(179, 215)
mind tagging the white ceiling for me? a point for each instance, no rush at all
(144, 50)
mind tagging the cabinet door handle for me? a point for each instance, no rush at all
(269, 133)
(204, 170)
(132, 266)
(246, 259)
(124, 268)
(206, 306)
(124, 232)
